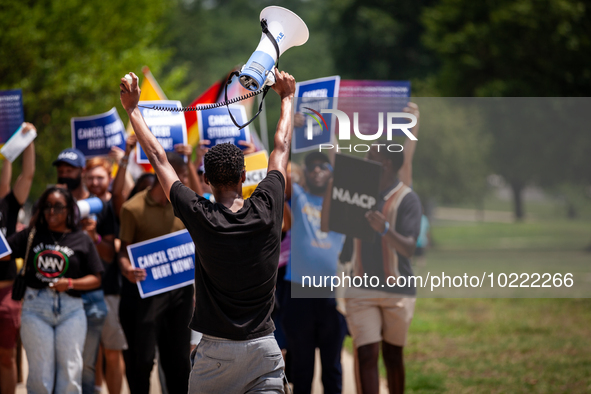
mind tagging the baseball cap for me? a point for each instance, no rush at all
(71, 156)
(316, 156)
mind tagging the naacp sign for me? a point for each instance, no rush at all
(355, 191)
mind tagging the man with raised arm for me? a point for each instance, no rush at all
(11, 201)
(236, 254)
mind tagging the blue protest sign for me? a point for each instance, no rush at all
(4, 247)
(216, 126)
(312, 97)
(95, 135)
(169, 262)
(11, 113)
(168, 127)
(369, 98)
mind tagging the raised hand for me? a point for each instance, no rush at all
(130, 94)
(284, 84)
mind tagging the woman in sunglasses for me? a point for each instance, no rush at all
(60, 261)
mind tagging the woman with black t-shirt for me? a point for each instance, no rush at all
(61, 261)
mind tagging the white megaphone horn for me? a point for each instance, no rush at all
(288, 30)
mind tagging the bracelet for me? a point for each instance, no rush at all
(99, 239)
(386, 228)
(70, 284)
(124, 160)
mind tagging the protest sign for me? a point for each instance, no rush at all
(315, 95)
(256, 170)
(11, 113)
(216, 126)
(369, 98)
(169, 262)
(17, 144)
(355, 191)
(95, 135)
(168, 127)
(4, 247)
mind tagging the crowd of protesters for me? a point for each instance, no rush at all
(82, 321)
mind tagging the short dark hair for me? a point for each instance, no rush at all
(176, 161)
(224, 164)
(38, 219)
(396, 158)
(144, 178)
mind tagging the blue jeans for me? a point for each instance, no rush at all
(96, 313)
(53, 330)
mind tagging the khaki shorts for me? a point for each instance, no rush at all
(372, 320)
(112, 336)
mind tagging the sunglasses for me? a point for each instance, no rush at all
(322, 166)
(57, 209)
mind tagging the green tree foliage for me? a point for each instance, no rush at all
(379, 39)
(528, 48)
(450, 160)
(210, 37)
(68, 57)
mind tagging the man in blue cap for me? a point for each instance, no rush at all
(70, 165)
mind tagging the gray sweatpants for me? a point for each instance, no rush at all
(226, 366)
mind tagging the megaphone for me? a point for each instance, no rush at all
(90, 206)
(288, 30)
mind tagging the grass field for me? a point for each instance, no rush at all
(504, 345)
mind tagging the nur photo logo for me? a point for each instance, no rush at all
(344, 130)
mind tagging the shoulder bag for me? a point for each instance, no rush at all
(20, 286)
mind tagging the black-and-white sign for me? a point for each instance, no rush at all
(355, 191)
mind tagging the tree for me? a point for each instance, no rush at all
(209, 38)
(529, 48)
(379, 39)
(68, 57)
(450, 161)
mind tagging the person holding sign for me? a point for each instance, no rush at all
(162, 319)
(11, 201)
(236, 254)
(61, 261)
(382, 318)
(311, 323)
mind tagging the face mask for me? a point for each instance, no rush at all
(71, 183)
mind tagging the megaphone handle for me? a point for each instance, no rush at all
(240, 127)
(265, 89)
(271, 38)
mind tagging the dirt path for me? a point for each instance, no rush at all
(346, 360)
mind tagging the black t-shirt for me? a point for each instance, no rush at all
(9, 207)
(408, 224)
(106, 224)
(236, 258)
(56, 255)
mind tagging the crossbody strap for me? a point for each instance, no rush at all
(29, 243)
